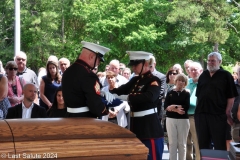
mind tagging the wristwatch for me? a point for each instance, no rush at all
(176, 107)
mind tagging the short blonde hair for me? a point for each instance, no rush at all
(182, 77)
(110, 73)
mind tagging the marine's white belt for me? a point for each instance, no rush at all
(144, 113)
(77, 110)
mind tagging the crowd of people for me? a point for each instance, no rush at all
(189, 112)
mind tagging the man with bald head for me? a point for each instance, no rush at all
(27, 109)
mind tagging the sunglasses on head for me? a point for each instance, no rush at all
(19, 59)
(10, 69)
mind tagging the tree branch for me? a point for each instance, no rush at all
(232, 27)
(238, 5)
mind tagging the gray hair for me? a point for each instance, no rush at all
(64, 59)
(218, 55)
(53, 58)
(20, 53)
(114, 62)
(195, 64)
(188, 61)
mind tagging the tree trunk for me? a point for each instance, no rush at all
(215, 47)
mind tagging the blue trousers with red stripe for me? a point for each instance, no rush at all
(155, 147)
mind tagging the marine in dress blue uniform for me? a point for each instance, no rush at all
(143, 91)
(81, 87)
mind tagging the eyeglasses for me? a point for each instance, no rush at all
(171, 73)
(193, 70)
(19, 59)
(10, 69)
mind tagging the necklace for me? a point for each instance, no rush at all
(178, 92)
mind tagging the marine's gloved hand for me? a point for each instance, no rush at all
(109, 96)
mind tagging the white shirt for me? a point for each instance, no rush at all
(26, 112)
(40, 75)
(122, 108)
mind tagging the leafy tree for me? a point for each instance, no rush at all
(173, 30)
(122, 26)
(6, 31)
(205, 24)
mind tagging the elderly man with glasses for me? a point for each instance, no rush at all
(28, 75)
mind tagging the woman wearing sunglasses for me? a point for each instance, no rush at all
(171, 75)
(15, 84)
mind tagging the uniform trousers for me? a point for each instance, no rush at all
(211, 128)
(235, 132)
(192, 137)
(156, 147)
(177, 135)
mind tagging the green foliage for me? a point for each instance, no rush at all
(172, 31)
(228, 68)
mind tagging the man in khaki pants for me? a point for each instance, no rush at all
(195, 70)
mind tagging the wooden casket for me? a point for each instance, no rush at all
(67, 138)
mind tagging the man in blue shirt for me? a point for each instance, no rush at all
(195, 69)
